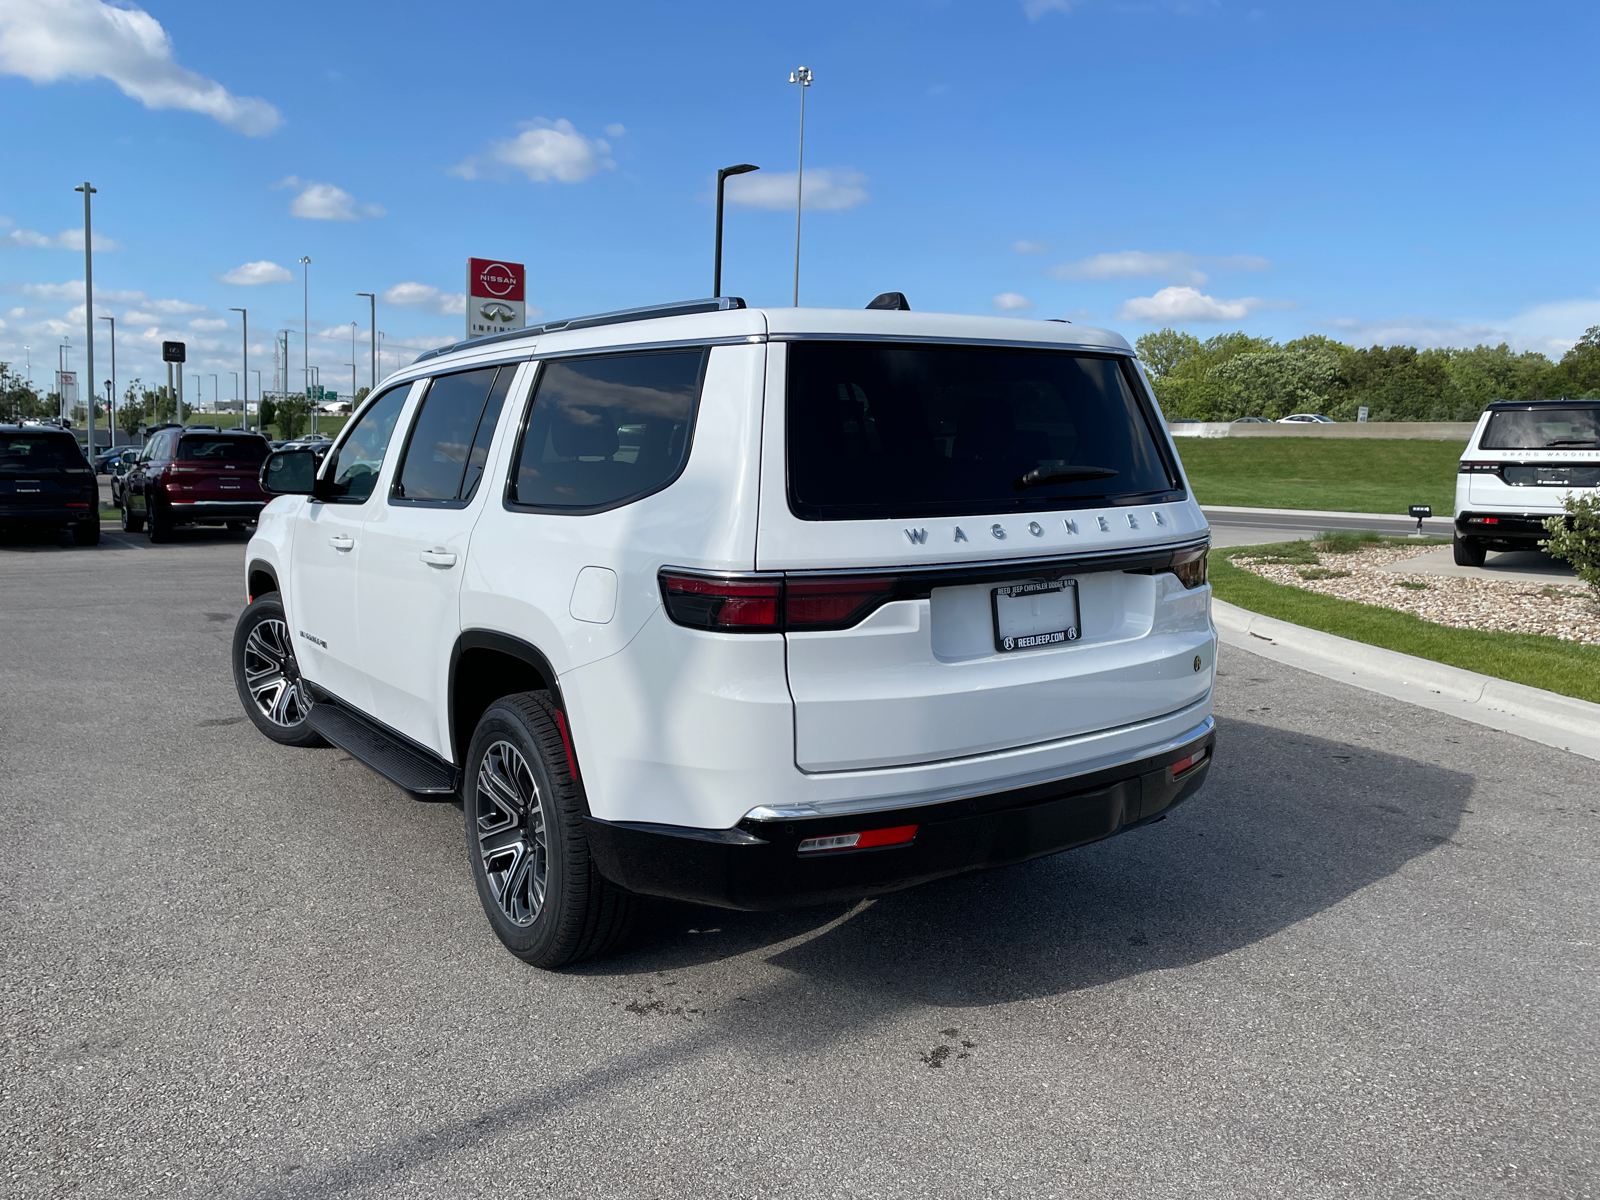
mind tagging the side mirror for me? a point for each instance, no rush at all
(289, 473)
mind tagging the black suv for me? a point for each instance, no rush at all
(47, 483)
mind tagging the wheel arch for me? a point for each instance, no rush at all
(260, 578)
(485, 665)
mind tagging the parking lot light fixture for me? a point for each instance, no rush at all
(111, 410)
(244, 364)
(803, 78)
(305, 335)
(722, 175)
(372, 329)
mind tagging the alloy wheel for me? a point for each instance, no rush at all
(512, 839)
(272, 675)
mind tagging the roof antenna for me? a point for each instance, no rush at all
(893, 301)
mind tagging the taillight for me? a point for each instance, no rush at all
(1184, 765)
(729, 604)
(832, 603)
(1190, 566)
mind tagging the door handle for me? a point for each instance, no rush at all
(438, 558)
(340, 541)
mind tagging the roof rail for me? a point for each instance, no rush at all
(681, 308)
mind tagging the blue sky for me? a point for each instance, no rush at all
(1394, 172)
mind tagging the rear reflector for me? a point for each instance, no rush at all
(72, 504)
(833, 603)
(1487, 520)
(1187, 764)
(898, 836)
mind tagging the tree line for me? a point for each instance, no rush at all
(1235, 375)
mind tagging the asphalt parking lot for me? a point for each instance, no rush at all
(1362, 963)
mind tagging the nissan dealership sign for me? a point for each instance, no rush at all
(494, 296)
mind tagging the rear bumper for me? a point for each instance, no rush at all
(757, 864)
(1510, 528)
(20, 516)
(189, 511)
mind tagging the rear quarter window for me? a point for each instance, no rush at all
(222, 450)
(34, 452)
(606, 431)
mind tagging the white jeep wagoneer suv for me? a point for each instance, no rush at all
(1523, 460)
(745, 607)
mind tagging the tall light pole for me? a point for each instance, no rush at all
(803, 78)
(88, 306)
(216, 392)
(722, 175)
(242, 422)
(305, 335)
(258, 401)
(372, 307)
(352, 365)
(244, 364)
(111, 408)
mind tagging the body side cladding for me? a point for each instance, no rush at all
(260, 578)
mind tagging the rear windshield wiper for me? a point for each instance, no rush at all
(1575, 442)
(1040, 477)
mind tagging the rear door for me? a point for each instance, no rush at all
(1004, 519)
(218, 469)
(414, 550)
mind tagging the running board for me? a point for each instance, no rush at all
(390, 755)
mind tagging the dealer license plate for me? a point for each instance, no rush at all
(1030, 616)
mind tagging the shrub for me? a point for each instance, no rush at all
(1576, 538)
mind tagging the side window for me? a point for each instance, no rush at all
(608, 430)
(450, 437)
(354, 471)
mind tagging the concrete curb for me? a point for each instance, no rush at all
(1528, 712)
(1445, 523)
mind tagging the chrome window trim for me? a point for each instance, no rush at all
(843, 808)
(932, 340)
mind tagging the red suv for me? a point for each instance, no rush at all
(194, 477)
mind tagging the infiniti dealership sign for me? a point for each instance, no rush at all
(494, 296)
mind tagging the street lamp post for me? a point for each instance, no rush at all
(258, 401)
(216, 392)
(244, 364)
(305, 335)
(352, 365)
(803, 78)
(111, 408)
(372, 308)
(722, 175)
(88, 308)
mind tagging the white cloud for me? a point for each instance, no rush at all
(1549, 328)
(1190, 304)
(544, 150)
(826, 190)
(67, 239)
(252, 273)
(325, 202)
(1030, 247)
(1137, 264)
(73, 290)
(207, 324)
(135, 317)
(1011, 302)
(615, 130)
(49, 40)
(422, 295)
(174, 308)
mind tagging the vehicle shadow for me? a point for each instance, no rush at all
(1287, 826)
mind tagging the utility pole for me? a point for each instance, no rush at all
(803, 78)
(244, 365)
(372, 306)
(111, 407)
(305, 334)
(88, 315)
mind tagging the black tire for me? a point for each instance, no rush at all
(268, 676)
(517, 773)
(86, 533)
(1469, 552)
(132, 522)
(158, 523)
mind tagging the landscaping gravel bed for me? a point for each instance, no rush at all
(1563, 611)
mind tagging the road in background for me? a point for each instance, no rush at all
(1360, 963)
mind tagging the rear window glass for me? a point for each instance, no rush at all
(33, 452)
(451, 435)
(881, 430)
(222, 450)
(604, 431)
(1541, 428)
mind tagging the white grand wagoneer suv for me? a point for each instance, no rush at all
(1522, 461)
(745, 607)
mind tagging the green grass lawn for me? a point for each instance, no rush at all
(1570, 668)
(1368, 475)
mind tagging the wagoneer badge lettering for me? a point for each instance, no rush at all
(1072, 526)
(1036, 529)
(960, 537)
(917, 536)
(1105, 525)
(999, 533)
